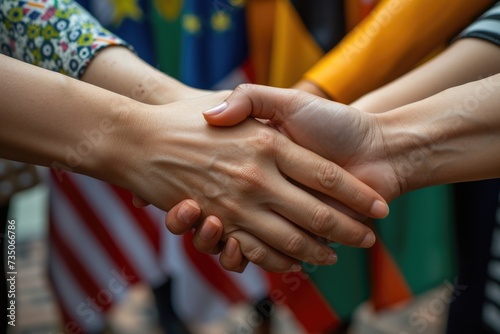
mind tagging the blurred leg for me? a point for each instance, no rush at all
(169, 320)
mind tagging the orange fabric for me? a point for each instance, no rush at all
(389, 42)
(282, 49)
(295, 50)
(306, 302)
(260, 18)
(389, 286)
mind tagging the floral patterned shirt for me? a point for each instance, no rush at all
(58, 35)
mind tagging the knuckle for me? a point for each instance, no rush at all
(228, 265)
(356, 236)
(264, 140)
(174, 226)
(256, 255)
(329, 175)
(296, 244)
(231, 207)
(250, 177)
(359, 199)
(295, 96)
(282, 265)
(322, 220)
(242, 88)
(200, 245)
(321, 253)
(353, 237)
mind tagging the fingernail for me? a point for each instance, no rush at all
(187, 213)
(231, 247)
(368, 241)
(295, 268)
(207, 232)
(331, 259)
(216, 110)
(379, 209)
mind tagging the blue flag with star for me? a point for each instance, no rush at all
(127, 19)
(213, 41)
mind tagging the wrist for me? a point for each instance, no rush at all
(119, 70)
(408, 144)
(161, 89)
(429, 140)
(168, 90)
(116, 139)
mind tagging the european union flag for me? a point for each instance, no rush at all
(214, 41)
(127, 19)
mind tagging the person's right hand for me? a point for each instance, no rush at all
(240, 175)
(347, 136)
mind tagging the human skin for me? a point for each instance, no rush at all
(392, 40)
(444, 128)
(167, 153)
(449, 137)
(119, 70)
(464, 61)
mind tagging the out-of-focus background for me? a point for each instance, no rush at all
(88, 262)
(37, 308)
(38, 311)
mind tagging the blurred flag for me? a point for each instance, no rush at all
(97, 248)
(397, 267)
(217, 45)
(208, 50)
(102, 245)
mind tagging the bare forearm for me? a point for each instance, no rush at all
(465, 61)
(50, 118)
(119, 70)
(450, 137)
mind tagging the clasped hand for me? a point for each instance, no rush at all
(245, 178)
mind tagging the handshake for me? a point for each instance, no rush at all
(274, 192)
(277, 193)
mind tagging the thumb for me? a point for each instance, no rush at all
(253, 100)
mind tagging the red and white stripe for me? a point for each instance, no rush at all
(96, 234)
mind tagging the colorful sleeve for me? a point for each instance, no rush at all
(389, 42)
(58, 35)
(487, 27)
